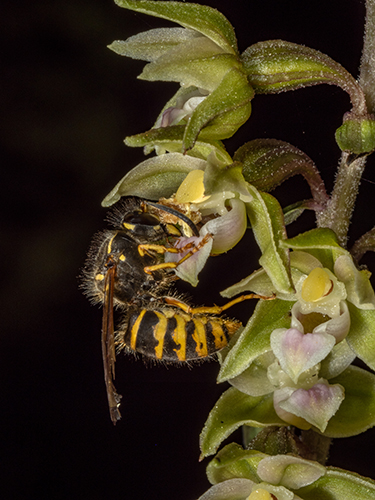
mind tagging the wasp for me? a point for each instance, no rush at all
(126, 270)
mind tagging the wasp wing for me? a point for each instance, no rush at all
(108, 344)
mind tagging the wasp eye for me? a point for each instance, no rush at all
(141, 219)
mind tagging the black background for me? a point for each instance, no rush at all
(67, 102)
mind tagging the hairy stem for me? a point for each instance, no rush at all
(366, 243)
(367, 69)
(340, 207)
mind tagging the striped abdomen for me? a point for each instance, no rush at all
(169, 334)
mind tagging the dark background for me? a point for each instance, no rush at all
(66, 103)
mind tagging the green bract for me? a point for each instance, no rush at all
(203, 57)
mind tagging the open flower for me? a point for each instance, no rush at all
(240, 474)
(301, 396)
(203, 57)
(220, 195)
(215, 188)
(278, 476)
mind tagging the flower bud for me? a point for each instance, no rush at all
(356, 135)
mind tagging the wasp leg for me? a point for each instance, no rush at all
(191, 248)
(213, 309)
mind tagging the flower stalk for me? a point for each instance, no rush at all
(340, 207)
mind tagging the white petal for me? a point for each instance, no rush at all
(291, 472)
(232, 489)
(228, 229)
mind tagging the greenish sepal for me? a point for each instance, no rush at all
(232, 410)
(361, 337)
(267, 222)
(171, 139)
(152, 44)
(276, 66)
(155, 178)
(357, 282)
(338, 484)
(233, 461)
(206, 20)
(223, 111)
(221, 178)
(198, 63)
(320, 242)
(356, 135)
(340, 357)
(257, 282)
(357, 411)
(269, 162)
(254, 340)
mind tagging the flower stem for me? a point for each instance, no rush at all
(340, 207)
(367, 69)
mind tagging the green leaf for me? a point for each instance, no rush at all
(254, 340)
(232, 410)
(267, 222)
(201, 18)
(223, 111)
(357, 412)
(233, 461)
(361, 337)
(339, 484)
(276, 66)
(154, 178)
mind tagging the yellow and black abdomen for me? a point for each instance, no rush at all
(171, 335)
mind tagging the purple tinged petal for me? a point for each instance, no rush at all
(279, 397)
(316, 405)
(298, 352)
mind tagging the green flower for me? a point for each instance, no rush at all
(202, 56)
(238, 474)
(277, 476)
